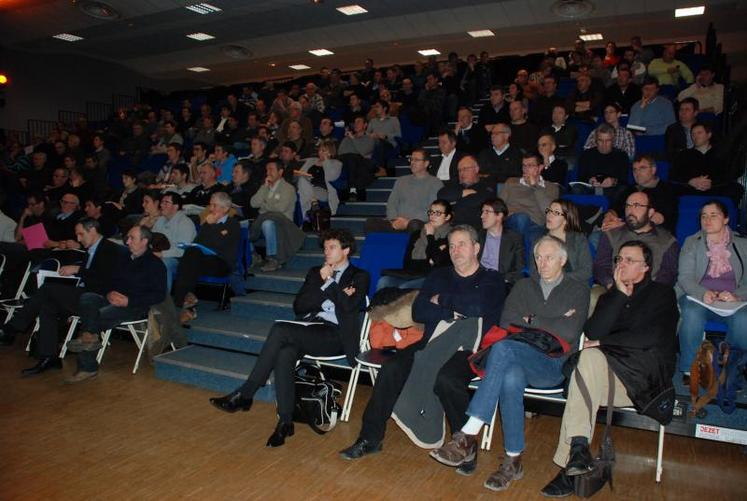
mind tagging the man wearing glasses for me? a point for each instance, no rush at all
(639, 225)
(633, 333)
(410, 199)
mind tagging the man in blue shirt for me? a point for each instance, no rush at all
(652, 112)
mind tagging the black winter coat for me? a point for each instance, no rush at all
(638, 335)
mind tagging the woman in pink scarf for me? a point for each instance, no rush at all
(711, 270)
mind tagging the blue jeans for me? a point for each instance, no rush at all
(270, 232)
(693, 318)
(387, 281)
(511, 367)
(172, 263)
(522, 224)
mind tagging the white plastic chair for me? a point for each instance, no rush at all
(341, 362)
(139, 335)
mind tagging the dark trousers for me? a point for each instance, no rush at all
(193, 264)
(389, 383)
(51, 303)
(381, 225)
(96, 316)
(286, 344)
(452, 389)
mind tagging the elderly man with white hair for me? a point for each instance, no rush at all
(213, 252)
(546, 316)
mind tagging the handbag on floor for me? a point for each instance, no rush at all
(590, 483)
(316, 399)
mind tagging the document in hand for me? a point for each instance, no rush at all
(721, 308)
(35, 236)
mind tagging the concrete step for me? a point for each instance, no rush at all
(384, 182)
(377, 194)
(214, 369)
(263, 306)
(354, 224)
(284, 280)
(312, 242)
(221, 329)
(366, 208)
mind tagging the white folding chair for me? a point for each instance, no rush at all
(547, 394)
(341, 362)
(16, 302)
(139, 335)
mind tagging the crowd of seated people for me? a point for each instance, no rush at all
(492, 233)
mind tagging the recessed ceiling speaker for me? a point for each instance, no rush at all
(236, 51)
(99, 10)
(572, 9)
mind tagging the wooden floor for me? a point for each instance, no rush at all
(134, 437)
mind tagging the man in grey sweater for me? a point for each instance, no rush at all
(411, 197)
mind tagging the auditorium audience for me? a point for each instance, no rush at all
(524, 134)
(471, 138)
(177, 228)
(604, 167)
(623, 90)
(501, 160)
(469, 194)
(445, 167)
(623, 139)
(553, 168)
(678, 135)
(315, 176)
(709, 94)
(495, 110)
(669, 71)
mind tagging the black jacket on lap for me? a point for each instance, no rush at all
(638, 335)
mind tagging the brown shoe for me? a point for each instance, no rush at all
(80, 376)
(510, 470)
(459, 450)
(190, 300)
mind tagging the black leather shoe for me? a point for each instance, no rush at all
(360, 448)
(232, 402)
(7, 337)
(559, 487)
(282, 430)
(44, 364)
(580, 461)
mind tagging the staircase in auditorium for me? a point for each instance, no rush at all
(224, 345)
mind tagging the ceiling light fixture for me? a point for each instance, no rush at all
(689, 11)
(200, 36)
(321, 52)
(352, 10)
(198, 69)
(299, 67)
(429, 52)
(481, 33)
(203, 8)
(590, 37)
(67, 37)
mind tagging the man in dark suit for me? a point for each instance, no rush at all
(495, 111)
(55, 301)
(445, 167)
(327, 307)
(677, 136)
(500, 248)
(501, 160)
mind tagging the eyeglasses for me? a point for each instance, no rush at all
(627, 260)
(554, 212)
(636, 205)
(435, 213)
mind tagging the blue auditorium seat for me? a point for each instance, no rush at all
(381, 251)
(595, 200)
(653, 145)
(688, 221)
(236, 278)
